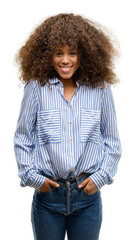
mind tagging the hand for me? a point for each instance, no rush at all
(90, 186)
(47, 185)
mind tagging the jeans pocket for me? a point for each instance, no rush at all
(89, 194)
(50, 189)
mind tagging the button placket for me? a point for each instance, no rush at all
(71, 136)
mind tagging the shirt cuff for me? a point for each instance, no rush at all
(99, 178)
(36, 181)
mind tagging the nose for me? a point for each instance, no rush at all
(65, 59)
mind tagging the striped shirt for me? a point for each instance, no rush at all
(63, 139)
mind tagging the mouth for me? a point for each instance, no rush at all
(65, 69)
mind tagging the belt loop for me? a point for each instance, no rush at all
(55, 179)
(77, 180)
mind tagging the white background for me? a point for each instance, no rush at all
(18, 20)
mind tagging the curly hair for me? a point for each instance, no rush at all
(95, 50)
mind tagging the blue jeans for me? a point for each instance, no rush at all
(66, 208)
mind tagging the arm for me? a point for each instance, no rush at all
(24, 139)
(111, 141)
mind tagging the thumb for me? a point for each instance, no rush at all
(53, 183)
(83, 183)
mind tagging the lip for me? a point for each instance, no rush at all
(65, 69)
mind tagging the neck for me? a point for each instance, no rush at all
(68, 83)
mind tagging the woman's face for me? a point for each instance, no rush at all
(65, 62)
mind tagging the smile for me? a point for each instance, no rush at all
(65, 69)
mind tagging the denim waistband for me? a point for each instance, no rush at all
(70, 179)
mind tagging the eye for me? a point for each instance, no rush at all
(74, 53)
(58, 54)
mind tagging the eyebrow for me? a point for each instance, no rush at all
(70, 49)
(58, 49)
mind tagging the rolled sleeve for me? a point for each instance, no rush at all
(111, 141)
(24, 139)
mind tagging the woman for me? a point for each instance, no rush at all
(66, 142)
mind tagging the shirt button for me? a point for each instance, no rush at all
(71, 154)
(69, 122)
(75, 93)
(69, 106)
(70, 138)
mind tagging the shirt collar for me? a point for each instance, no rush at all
(56, 80)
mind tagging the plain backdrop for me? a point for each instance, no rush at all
(17, 20)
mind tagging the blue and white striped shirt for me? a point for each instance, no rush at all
(63, 139)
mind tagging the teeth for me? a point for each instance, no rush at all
(65, 69)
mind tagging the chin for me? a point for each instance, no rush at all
(66, 76)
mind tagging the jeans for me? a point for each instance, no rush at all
(66, 209)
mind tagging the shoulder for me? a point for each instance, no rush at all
(32, 84)
(32, 87)
(31, 90)
(107, 90)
